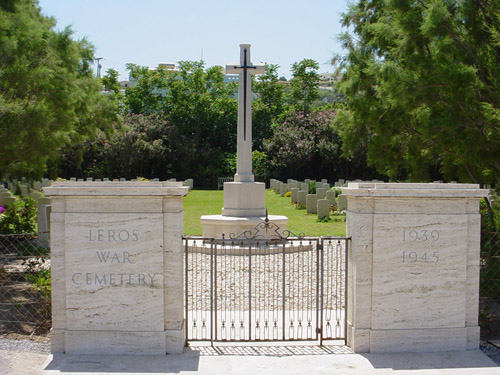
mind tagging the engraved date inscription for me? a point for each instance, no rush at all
(425, 257)
(420, 235)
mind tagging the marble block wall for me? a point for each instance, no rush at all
(413, 271)
(117, 270)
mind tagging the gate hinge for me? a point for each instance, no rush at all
(318, 331)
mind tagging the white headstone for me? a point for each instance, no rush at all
(43, 224)
(311, 203)
(321, 193)
(323, 208)
(301, 198)
(342, 202)
(283, 188)
(330, 195)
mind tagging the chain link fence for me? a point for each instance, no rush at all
(24, 286)
(490, 285)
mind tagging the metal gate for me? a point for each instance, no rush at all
(253, 289)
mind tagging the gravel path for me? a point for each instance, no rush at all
(26, 346)
(22, 357)
(271, 295)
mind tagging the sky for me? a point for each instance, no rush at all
(149, 32)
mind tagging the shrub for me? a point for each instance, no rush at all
(19, 217)
(312, 187)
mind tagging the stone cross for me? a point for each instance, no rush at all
(244, 135)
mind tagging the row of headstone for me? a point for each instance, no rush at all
(280, 187)
(43, 212)
(25, 188)
(320, 206)
(44, 204)
(7, 198)
(300, 194)
(319, 203)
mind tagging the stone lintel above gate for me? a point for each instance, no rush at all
(413, 267)
(117, 269)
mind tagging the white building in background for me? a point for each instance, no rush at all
(167, 66)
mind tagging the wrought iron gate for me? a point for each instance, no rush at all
(279, 289)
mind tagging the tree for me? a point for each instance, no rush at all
(422, 87)
(304, 145)
(304, 84)
(147, 93)
(268, 105)
(202, 109)
(110, 81)
(177, 123)
(48, 94)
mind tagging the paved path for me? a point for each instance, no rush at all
(250, 360)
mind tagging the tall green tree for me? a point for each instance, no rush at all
(268, 105)
(304, 85)
(201, 110)
(110, 81)
(422, 86)
(303, 146)
(146, 93)
(48, 94)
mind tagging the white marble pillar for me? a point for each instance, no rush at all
(117, 270)
(413, 267)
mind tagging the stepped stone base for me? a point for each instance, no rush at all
(216, 226)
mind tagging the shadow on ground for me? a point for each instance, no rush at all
(472, 359)
(172, 363)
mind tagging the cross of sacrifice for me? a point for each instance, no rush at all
(244, 134)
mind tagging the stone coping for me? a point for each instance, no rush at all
(237, 219)
(116, 188)
(428, 190)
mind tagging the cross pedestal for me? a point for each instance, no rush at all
(244, 199)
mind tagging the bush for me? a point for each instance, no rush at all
(312, 187)
(490, 270)
(19, 217)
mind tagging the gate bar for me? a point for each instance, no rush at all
(250, 292)
(346, 264)
(322, 273)
(212, 286)
(186, 286)
(284, 291)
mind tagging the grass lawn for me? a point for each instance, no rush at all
(209, 202)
